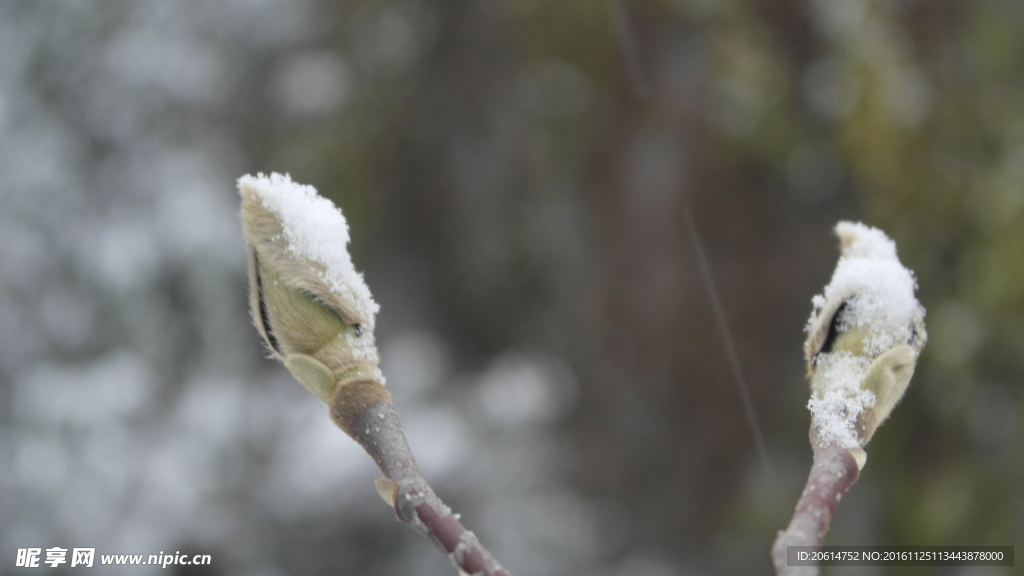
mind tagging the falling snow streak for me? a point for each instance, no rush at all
(631, 58)
(627, 47)
(723, 327)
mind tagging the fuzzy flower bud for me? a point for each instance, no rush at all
(864, 337)
(313, 310)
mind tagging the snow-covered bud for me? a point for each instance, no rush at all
(312, 308)
(864, 337)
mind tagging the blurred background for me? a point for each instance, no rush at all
(518, 177)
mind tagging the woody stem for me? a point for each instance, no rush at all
(379, 431)
(833, 472)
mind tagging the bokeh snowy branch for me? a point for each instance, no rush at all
(864, 337)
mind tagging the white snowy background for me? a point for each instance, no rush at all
(138, 414)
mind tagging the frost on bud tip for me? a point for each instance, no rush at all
(864, 337)
(313, 310)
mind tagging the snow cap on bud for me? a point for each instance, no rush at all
(864, 337)
(312, 308)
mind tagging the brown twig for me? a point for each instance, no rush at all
(379, 431)
(832, 474)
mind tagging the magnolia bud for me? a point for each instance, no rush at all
(864, 337)
(312, 308)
